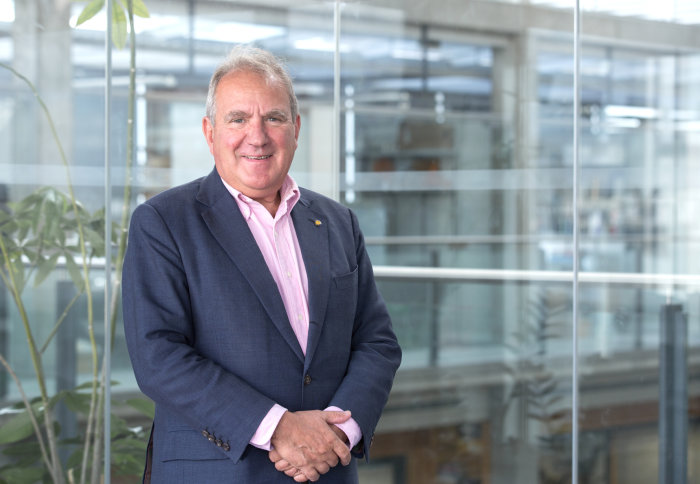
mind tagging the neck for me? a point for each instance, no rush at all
(270, 203)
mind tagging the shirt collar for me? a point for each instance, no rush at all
(289, 192)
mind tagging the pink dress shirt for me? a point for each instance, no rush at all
(279, 245)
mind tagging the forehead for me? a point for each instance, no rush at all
(247, 90)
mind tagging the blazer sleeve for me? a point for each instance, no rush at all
(375, 354)
(159, 331)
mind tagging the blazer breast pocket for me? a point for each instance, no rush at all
(346, 281)
(343, 298)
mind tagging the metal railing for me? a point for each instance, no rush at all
(453, 274)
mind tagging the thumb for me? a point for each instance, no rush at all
(336, 417)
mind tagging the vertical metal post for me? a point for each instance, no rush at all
(4, 323)
(673, 395)
(335, 160)
(107, 366)
(434, 301)
(575, 285)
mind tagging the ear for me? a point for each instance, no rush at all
(208, 130)
(297, 127)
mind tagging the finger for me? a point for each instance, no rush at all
(335, 417)
(343, 452)
(310, 474)
(331, 461)
(322, 468)
(283, 466)
(274, 456)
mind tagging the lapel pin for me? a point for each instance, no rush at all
(317, 223)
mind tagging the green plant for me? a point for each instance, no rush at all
(535, 391)
(36, 234)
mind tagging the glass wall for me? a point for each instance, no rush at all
(538, 257)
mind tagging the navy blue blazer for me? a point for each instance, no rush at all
(211, 344)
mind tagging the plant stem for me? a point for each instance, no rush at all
(60, 320)
(86, 276)
(99, 433)
(123, 225)
(30, 411)
(55, 469)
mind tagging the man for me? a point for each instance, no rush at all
(250, 309)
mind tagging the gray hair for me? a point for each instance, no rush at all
(251, 59)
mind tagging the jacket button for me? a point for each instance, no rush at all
(307, 379)
(205, 434)
(226, 447)
(219, 443)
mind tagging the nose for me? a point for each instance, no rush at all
(256, 134)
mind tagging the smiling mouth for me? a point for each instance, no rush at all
(264, 157)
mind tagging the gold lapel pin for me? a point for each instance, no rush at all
(317, 223)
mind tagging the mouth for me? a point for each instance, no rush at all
(263, 157)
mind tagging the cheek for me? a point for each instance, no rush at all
(228, 146)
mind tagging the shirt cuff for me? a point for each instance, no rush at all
(350, 427)
(261, 438)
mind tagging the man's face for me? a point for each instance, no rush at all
(254, 137)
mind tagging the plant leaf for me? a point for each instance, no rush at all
(77, 402)
(17, 428)
(45, 267)
(90, 11)
(17, 268)
(140, 9)
(75, 273)
(95, 240)
(118, 25)
(143, 405)
(23, 475)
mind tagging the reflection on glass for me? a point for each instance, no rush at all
(636, 388)
(455, 128)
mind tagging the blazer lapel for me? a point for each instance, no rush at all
(229, 228)
(312, 232)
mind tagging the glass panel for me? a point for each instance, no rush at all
(638, 315)
(456, 155)
(456, 152)
(53, 244)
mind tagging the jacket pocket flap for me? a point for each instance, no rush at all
(189, 445)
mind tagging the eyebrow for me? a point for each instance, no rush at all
(235, 115)
(277, 113)
(242, 114)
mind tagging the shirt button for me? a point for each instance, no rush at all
(307, 379)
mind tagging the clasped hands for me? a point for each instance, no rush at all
(307, 444)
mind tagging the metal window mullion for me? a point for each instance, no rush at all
(575, 283)
(107, 368)
(335, 159)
